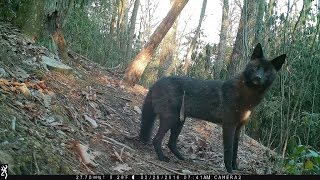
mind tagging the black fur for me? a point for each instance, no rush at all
(227, 102)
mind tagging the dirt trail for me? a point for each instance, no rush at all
(86, 121)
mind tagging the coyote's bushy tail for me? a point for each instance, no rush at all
(147, 119)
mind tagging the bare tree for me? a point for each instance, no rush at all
(122, 13)
(259, 22)
(240, 49)
(148, 10)
(194, 39)
(122, 23)
(269, 13)
(139, 63)
(163, 59)
(132, 28)
(223, 38)
(113, 23)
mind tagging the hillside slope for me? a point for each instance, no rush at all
(85, 121)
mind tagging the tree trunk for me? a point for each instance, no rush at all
(259, 22)
(194, 40)
(113, 23)
(44, 20)
(122, 24)
(57, 12)
(139, 63)
(29, 17)
(269, 20)
(239, 52)
(122, 8)
(132, 28)
(166, 57)
(207, 64)
(223, 39)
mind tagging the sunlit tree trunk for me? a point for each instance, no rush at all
(119, 18)
(139, 63)
(223, 39)
(194, 40)
(168, 49)
(132, 29)
(121, 12)
(163, 59)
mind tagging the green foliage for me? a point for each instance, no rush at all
(290, 113)
(87, 32)
(8, 8)
(150, 74)
(201, 66)
(303, 160)
(26, 14)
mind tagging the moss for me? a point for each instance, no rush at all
(60, 114)
(36, 158)
(40, 74)
(30, 17)
(30, 155)
(8, 8)
(56, 109)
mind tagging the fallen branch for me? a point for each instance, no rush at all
(166, 168)
(115, 131)
(83, 57)
(36, 163)
(116, 67)
(74, 116)
(117, 142)
(119, 156)
(87, 168)
(159, 165)
(127, 99)
(4, 92)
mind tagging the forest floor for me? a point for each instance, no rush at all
(85, 121)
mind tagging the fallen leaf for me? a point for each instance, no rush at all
(186, 171)
(41, 84)
(82, 151)
(121, 168)
(55, 124)
(308, 165)
(13, 123)
(92, 122)
(3, 73)
(137, 109)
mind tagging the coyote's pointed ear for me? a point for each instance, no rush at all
(278, 61)
(257, 52)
